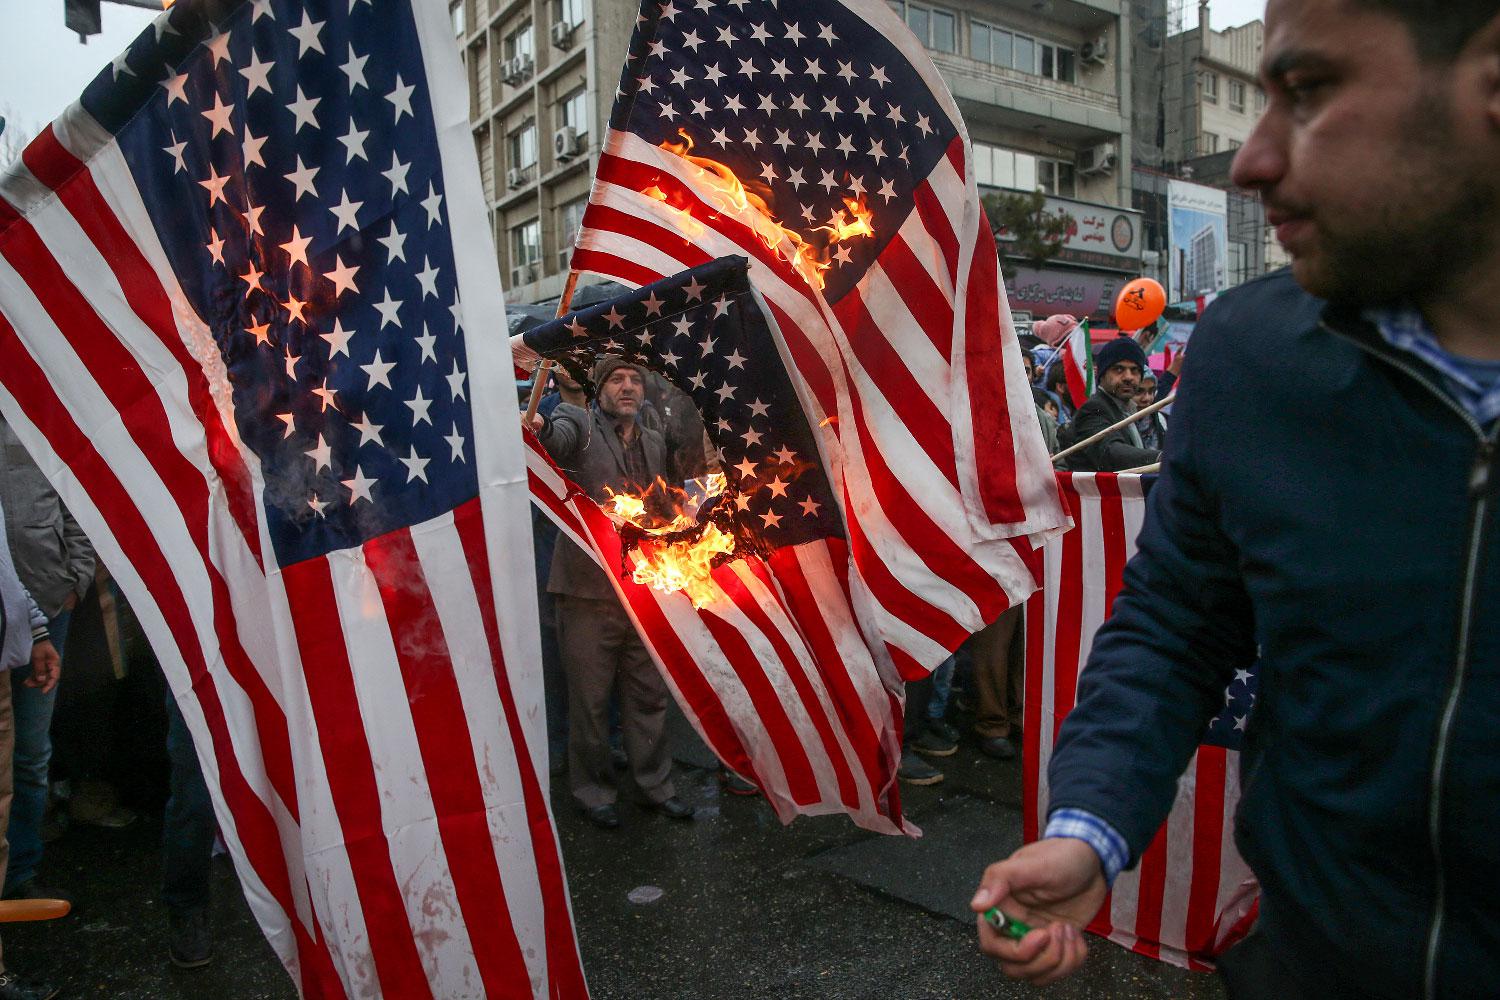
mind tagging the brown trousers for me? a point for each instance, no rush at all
(998, 652)
(602, 653)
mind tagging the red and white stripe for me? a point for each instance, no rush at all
(389, 824)
(772, 673)
(1191, 894)
(914, 377)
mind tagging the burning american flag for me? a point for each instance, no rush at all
(744, 597)
(818, 140)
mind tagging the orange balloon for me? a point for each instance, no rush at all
(1140, 304)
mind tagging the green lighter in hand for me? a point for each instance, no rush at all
(1006, 926)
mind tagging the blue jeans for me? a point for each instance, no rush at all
(187, 838)
(942, 687)
(33, 721)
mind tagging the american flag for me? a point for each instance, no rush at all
(1192, 895)
(834, 120)
(231, 333)
(772, 670)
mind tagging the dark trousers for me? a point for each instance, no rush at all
(602, 653)
(187, 839)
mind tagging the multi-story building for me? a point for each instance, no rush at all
(1046, 94)
(1211, 99)
(542, 77)
(1206, 104)
(1045, 90)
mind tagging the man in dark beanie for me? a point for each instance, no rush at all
(605, 449)
(1119, 364)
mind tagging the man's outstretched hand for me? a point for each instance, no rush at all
(1056, 886)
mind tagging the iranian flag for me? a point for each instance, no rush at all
(1078, 364)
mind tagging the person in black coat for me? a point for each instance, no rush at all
(1120, 364)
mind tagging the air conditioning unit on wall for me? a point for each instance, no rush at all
(562, 34)
(1095, 51)
(565, 144)
(515, 177)
(1099, 159)
(515, 71)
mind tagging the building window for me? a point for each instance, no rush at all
(993, 44)
(1236, 95)
(1057, 178)
(569, 222)
(518, 43)
(934, 27)
(456, 15)
(1210, 143)
(525, 251)
(569, 12)
(573, 112)
(1260, 100)
(1059, 63)
(1005, 168)
(522, 146)
(1210, 87)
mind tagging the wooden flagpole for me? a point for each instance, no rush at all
(1159, 404)
(1143, 470)
(544, 369)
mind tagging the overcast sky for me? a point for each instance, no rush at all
(43, 68)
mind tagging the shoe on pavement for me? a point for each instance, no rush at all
(674, 808)
(32, 889)
(998, 747)
(605, 817)
(736, 785)
(932, 744)
(189, 944)
(943, 729)
(13, 987)
(916, 771)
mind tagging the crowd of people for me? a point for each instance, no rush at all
(48, 569)
(1125, 383)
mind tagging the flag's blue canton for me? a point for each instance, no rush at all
(805, 101)
(705, 332)
(288, 163)
(1228, 728)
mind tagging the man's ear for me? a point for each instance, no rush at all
(1483, 54)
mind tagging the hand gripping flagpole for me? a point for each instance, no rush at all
(1159, 404)
(544, 368)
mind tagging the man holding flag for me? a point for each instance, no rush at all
(1121, 363)
(1370, 763)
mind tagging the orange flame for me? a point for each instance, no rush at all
(685, 566)
(729, 195)
(675, 564)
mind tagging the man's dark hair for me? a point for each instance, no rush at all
(1441, 28)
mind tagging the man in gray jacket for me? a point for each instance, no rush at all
(55, 563)
(27, 651)
(604, 448)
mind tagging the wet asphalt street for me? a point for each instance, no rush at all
(746, 909)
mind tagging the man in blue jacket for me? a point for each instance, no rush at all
(1356, 558)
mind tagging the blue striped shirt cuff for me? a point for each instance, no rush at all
(1103, 838)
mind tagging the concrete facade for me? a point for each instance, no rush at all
(1211, 96)
(536, 67)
